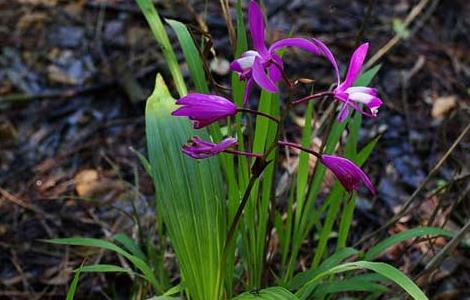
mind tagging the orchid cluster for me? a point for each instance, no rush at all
(264, 67)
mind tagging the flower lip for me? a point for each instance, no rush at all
(348, 173)
(204, 109)
(354, 96)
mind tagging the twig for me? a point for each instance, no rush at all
(413, 197)
(228, 20)
(437, 260)
(396, 38)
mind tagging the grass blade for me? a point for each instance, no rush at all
(158, 30)
(137, 262)
(73, 286)
(130, 245)
(332, 261)
(104, 268)
(191, 55)
(383, 269)
(381, 247)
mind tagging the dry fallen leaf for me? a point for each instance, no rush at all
(86, 181)
(443, 105)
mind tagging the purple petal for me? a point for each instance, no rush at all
(256, 21)
(343, 113)
(261, 78)
(349, 174)
(355, 66)
(224, 144)
(362, 89)
(245, 61)
(327, 53)
(246, 95)
(275, 69)
(301, 43)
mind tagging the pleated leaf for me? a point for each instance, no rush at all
(189, 195)
(272, 293)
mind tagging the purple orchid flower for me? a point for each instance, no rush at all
(349, 174)
(354, 96)
(198, 148)
(253, 64)
(204, 109)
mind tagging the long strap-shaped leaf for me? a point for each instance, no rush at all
(137, 262)
(381, 268)
(189, 196)
(158, 30)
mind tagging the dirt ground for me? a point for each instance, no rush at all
(73, 79)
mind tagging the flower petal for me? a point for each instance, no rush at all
(224, 144)
(245, 61)
(246, 95)
(327, 53)
(362, 89)
(257, 26)
(355, 66)
(348, 173)
(344, 112)
(261, 78)
(276, 68)
(301, 43)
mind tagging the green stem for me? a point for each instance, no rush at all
(310, 97)
(259, 113)
(300, 147)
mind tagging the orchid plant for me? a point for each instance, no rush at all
(265, 67)
(214, 178)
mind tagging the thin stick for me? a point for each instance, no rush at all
(437, 260)
(228, 20)
(413, 197)
(396, 38)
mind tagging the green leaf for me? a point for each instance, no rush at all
(332, 261)
(383, 269)
(189, 196)
(73, 286)
(366, 78)
(271, 293)
(334, 202)
(137, 262)
(130, 245)
(400, 29)
(355, 284)
(365, 152)
(103, 268)
(302, 172)
(380, 248)
(191, 55)
(158, 30)
(143, 160)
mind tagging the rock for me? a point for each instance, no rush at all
(68, 69)
(67, 36)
